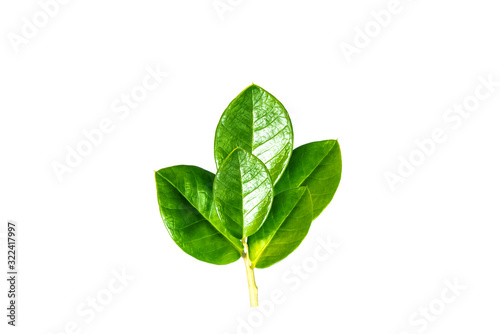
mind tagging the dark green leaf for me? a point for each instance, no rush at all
(284, 229)
(243, 193)
(317, 165)
(185, 196)
(256, 121)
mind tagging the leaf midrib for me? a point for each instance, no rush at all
(319, 163)
(276, 231)
(194, 207)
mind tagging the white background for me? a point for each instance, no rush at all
(397, 248)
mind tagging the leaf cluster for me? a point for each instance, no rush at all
(265, 193)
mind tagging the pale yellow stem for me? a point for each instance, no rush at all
(252, 287)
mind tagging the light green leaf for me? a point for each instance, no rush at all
(185, 197)
(284, 229)
(318, 166)
(257, 122)
(243, 193)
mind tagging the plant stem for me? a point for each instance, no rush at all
(252, 287)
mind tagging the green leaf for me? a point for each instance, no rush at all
(243, 193)
(185, 197)
(284, 229)
(318, 166)
(257, 122)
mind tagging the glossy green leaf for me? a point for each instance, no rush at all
(318, 166)
(243, 193)
(257, 122)
(185, 197)
(284, 229)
